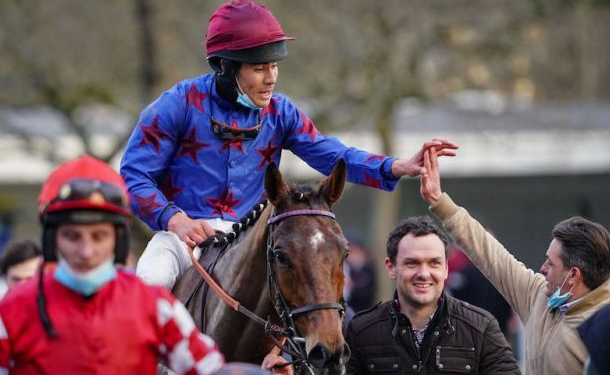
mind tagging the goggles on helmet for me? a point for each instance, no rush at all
(96, 192)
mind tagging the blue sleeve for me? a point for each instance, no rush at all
(323, 152)
(148, 154)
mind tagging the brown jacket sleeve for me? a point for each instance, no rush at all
(517, 283)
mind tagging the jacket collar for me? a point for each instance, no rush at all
(591, 299)
(441, 316)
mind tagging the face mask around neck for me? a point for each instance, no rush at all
(243, 99)
(557, 299)
(85, 283)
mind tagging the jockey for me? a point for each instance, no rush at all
(86, 316)
(196, 159)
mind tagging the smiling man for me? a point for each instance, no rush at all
(423, 330)
(196, 159)
(571, 286)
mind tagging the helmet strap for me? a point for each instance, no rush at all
(225, 80)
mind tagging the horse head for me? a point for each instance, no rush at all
(306, 253)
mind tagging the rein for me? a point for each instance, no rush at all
(290, 342)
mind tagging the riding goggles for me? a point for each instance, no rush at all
(226, 132)
(94, 191)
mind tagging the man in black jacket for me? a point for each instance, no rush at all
(423, 330)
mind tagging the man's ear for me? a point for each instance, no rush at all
(389, 266)
(575, 277)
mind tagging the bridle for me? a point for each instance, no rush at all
(294, 344)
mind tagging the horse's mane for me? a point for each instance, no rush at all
(300, 193)
(224, 239)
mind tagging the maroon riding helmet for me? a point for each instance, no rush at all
(244, 31)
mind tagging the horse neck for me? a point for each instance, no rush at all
(246, 262)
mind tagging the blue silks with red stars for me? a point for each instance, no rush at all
(174, 161)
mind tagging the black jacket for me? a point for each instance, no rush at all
(461, 339)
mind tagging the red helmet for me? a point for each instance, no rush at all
(245, 31)
(85, 183)
(84, 191)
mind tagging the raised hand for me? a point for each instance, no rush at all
(430, 179)
(413, 166)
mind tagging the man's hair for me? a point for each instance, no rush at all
(18, 252)
(586, 245)
(418, 226)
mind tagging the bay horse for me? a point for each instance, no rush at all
(288, 263)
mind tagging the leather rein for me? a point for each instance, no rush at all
(288, 338)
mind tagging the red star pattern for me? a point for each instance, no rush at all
(152, 135)
(370, 181)
(148, 205)
(224, 204)
(267, 154)
(270, 109)
(308, 128)
(190, 145)
(195, 97)
(168, 188)
(235, 142)
(374, 157)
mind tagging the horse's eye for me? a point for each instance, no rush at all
(282, 258)
(345, 255)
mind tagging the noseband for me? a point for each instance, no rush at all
(295, 341)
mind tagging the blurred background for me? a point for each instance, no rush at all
(522, 86)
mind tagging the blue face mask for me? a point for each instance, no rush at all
(85, 283)
(243, 99)
(557, 299)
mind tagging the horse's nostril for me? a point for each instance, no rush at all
(318, 356)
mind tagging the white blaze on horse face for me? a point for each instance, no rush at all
(316, 239)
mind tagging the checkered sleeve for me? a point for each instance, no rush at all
(5, 352)
(186, 350)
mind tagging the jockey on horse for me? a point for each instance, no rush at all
(195, 162)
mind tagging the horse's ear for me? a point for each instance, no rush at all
(332, 186)
(277, 189)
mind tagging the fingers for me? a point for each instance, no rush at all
(443, 147)
(207, 229)
(272, 360)
(427, 162)
(445, 153)
(196, 233)
(433, 166)
(446, 144)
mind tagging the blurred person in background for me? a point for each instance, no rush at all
(423, 330)
(362, 277)
(195, 162)
(19, 262)
(86, 315)
(572, 283)
(467, 283)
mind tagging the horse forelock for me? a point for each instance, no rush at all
(302, 197)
